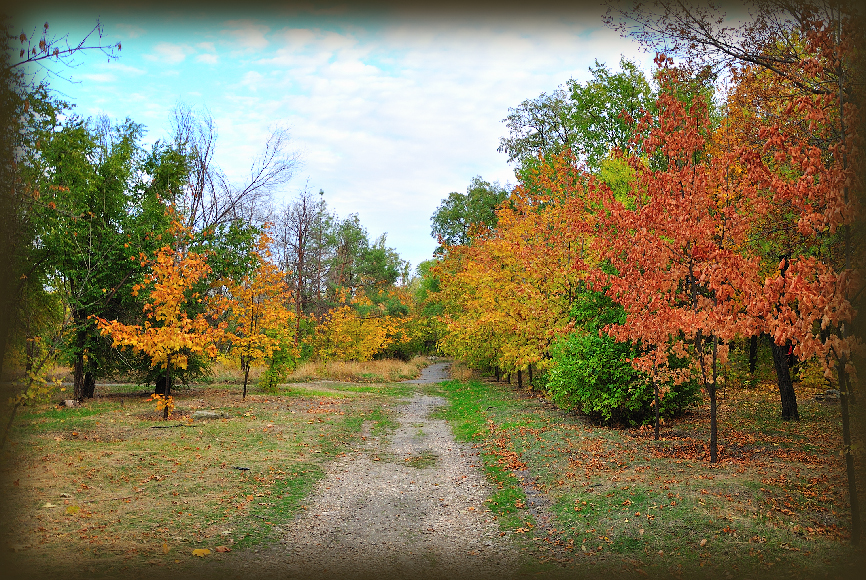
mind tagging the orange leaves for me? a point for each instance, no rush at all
(169, 332)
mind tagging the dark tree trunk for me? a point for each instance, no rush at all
(496, 373)
(656, 393)
(786, 386)
(246, 368)
(89, 387)
(753, 356)
(844, 394)
(160, 388)
(167, 390)
(530, 375)
(519, 379)
(78, 377)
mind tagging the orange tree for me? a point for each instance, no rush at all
(169, 335)
(674, 249)
(256, 314)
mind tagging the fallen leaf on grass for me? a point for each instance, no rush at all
(223, 549)
(704, 542)
(201, 552)
(165, 547)
(72, 509)
(49, 505)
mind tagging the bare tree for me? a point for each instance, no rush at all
(298, 246)
(210, 199)
(768, 38)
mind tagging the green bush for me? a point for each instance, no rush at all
(591, 372)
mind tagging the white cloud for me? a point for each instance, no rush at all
(130, 30)
(207, 58)
(170, 53)
(247, 34)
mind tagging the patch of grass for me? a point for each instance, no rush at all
(621, 502)
(375, 371)
(422, 460)
(472, 408)
(111, 486)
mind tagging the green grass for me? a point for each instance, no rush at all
(622, 503)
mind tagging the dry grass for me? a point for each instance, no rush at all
(374, 371)
(110, 487)
(460, 372)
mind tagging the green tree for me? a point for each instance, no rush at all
(95, 214)
(457, 215)
(589, 118)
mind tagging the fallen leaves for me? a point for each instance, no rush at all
(201, 552)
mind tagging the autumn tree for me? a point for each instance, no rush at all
(674, 250)
(255, 310)
(169, 336)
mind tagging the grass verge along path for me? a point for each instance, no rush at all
(109, 489)
(620, 503)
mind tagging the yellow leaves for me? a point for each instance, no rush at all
(201, 552)
(168, 329)
(163, 402)
(346, 335)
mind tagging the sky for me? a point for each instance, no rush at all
(388, 108)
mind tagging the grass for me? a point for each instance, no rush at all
(621, 503)
(375, 371)
(109, 486)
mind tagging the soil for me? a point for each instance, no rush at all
(407, 504)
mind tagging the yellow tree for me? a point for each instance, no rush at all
(357, 331)
(170, 333)
(257, 315)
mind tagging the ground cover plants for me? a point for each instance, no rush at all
(621, 503)
(110, 488)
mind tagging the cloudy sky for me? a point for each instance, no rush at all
(389, 109)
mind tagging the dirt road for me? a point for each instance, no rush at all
(406, 505)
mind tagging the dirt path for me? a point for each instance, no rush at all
(410, 504)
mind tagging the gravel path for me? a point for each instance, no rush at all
(410, 505)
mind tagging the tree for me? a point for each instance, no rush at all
(169, 335)
(675, 253)
(591, 119)
(208, 198)
(85, 176)
(457, 217)
(25, 108)
(257, 317)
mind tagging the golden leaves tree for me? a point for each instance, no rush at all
(176, 324)
(256, 312)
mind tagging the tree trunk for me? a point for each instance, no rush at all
(246, 368)
(519, 379)
(78, 377)
(89, 387)
(656, 392)
(786, 386)
(714, 450)
(167, 390)
(496, 373)
(753, 356)
(844, 393)
(530, 375)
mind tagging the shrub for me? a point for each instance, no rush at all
(591, 373)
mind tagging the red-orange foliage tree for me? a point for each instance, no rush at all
(675, 244)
